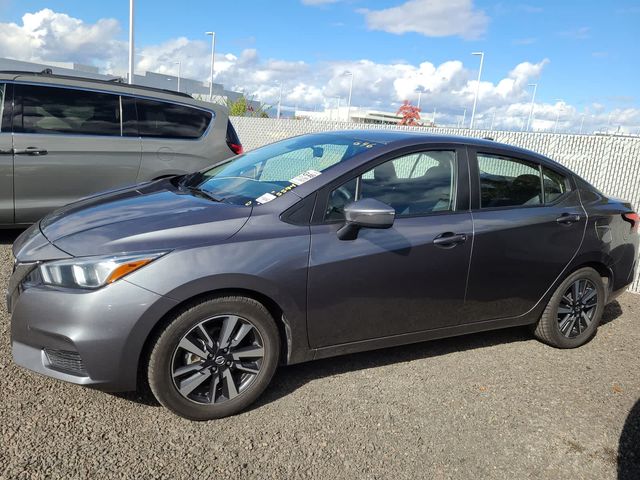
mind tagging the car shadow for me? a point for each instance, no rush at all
(629, 446)
(290, 378)
(7, 237)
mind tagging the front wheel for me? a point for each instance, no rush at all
(215, 358)
(573, 313)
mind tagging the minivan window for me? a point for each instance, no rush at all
(168, 120)
(40, 109)
(3, 123)
(507, 182)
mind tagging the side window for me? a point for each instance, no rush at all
(63, 110)
(283, 168)
(4, 125)
(169, 120)
(415, 184)
(555, 185)
(507, 182)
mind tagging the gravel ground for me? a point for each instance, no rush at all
(492, 405)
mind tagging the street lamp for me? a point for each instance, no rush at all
(475, 99)
(131, 54)
(464, 118)
(349, 74)
(555, 126)
(213, 51)
(179, 63)
(279, 102)
(533, 99)
(582, 122)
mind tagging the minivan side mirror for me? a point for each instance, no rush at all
(365, 213)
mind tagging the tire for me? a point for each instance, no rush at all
(563, 323)
(192, 346)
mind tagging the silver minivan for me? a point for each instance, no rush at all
(63, 138)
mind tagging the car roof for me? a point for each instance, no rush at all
(114, 85)
(390, 137)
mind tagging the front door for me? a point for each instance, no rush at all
(528, 225)
(400, 280)
(68, 144)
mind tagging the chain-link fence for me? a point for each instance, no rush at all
(611, 163)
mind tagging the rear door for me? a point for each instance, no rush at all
(6, 155)
(68, 144)
(174, 138)
(528, 224)
(401, 280)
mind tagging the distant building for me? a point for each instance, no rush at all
(196, 88)
(355, 114)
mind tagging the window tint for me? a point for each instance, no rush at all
(555, 185)
(506, 182)
(168, 120)
(62, 110)
(5, 119)
(416, 184)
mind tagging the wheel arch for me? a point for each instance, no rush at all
(274, 309)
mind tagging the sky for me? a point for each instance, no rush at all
(583, 55)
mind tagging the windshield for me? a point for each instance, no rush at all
(266, 173)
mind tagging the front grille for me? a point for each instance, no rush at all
(66, 361)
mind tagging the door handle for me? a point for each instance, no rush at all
(568, 218)
(449, 240)
(35, 151)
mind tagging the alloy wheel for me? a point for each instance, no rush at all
(577, 308)
(217, 360)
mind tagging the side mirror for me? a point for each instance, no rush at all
(365, 213)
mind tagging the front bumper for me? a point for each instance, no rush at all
(105, 329)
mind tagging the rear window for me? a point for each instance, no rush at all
(54, 110)
(168, 120)
(4, 110)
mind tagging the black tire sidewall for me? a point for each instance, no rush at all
(159, 370)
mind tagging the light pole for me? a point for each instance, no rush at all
(464, 118)
(533, 100)
(213, 51)
(493, 119)
(179, 62)
(349, 74)
(433, 120)
(555, 126)
(475, 99)
(582, 122)
(419, 98)
(279, 102)
(131, 47)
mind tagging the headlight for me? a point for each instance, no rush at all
(93, 272)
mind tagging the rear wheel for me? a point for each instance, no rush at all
(215, 358)
(573, 313)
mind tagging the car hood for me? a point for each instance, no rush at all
(154, 216)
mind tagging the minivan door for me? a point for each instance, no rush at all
(68, 144)
(6, 156)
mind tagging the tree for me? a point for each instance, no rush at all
(238, 107)
(410, 114)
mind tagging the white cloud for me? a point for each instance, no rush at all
(449, 86)
(431, 18)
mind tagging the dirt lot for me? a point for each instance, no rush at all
(493, 405)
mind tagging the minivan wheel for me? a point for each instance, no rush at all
(214, 358)
(573, 313)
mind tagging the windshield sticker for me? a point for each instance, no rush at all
(267, 197)
(364, 144)
(304, 177)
